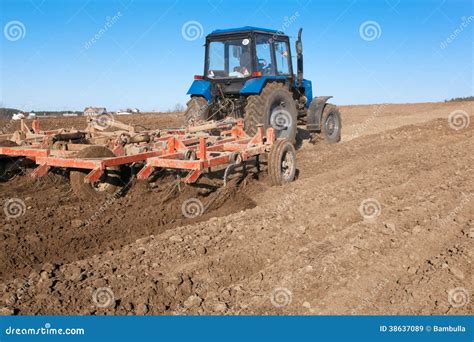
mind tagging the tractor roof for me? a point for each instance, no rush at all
(244, 30)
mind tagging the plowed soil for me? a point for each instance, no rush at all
(381, 223)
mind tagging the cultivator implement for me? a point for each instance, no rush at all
(204, 153)
(95, 158)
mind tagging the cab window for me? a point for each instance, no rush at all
(264, 56)
(229, 59)
(282, 57)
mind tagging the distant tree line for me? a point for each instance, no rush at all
(178, 108)
(458, 99)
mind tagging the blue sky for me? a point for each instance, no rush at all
(140, 57)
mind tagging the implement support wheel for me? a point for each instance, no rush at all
(282, 162)
(109, 183)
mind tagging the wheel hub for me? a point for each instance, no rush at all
(287, 165)
(280, 120)
(331, 125)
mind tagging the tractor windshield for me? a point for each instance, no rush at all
(229, 58)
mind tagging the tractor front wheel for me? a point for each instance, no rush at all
(282, 162)
(109, 184)
(331, 124)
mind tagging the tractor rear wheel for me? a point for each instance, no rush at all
(274, 107)
(282, 162)
(197, 110)
(109, 183)
(331, 124)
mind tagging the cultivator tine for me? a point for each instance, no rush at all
(227, 171)
(145, 172)
(93, 176)
(40, 171)
(192, 177)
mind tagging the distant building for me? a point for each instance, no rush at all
(93, 111)
(128, 111)
(18, 116)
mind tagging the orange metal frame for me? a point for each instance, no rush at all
(219, 154)
(176, 149)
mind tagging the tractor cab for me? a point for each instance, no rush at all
(245, 53)
(248, 73)
(233, 57)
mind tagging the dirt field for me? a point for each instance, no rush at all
(381, 223)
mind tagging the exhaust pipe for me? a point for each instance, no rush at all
(299, 60)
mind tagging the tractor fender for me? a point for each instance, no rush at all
(201, 88)
(256, 84)
(315, 112)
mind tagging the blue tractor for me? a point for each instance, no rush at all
(248, 74)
